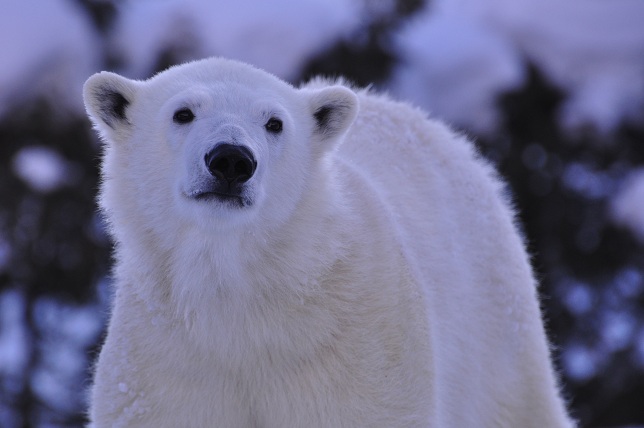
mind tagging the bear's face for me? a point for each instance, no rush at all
(215, 143)
(229, 146)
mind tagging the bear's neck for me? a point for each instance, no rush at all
(227, 281)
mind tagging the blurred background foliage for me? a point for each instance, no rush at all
(55, 255)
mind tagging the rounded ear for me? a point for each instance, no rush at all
(107, 97)
(333, 109)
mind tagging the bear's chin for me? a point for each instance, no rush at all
(222, 199)
(232, 201)
(211, 213)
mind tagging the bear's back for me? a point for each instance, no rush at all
(449, 211)
(422, 169)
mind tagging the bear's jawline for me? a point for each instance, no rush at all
(222, 197)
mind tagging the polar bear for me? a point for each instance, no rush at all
(307, 257)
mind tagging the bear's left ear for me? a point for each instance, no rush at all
(333, 109)
(107, 97)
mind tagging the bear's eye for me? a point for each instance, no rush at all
(184, 115)
(274, 125)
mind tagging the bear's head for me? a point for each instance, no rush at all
(213, 143)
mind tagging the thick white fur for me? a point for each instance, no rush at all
(377, 280)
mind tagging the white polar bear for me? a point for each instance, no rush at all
(309, 257)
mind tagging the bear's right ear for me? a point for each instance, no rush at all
(107, 97)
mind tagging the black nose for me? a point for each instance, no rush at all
(235, 164)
